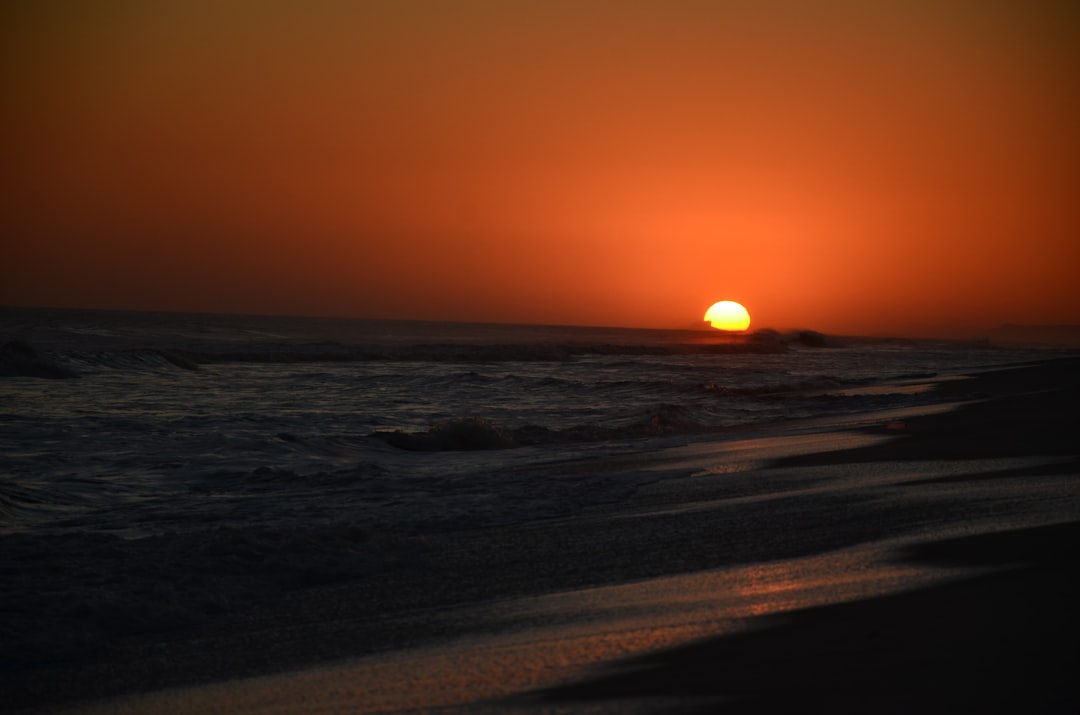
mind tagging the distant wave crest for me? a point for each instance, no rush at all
(19, 359)
(470, 353)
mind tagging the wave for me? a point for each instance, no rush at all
(67, 346)
(22, 502)
(135, 359)
(478, 433)
(20, 359)
(808, 385)
(470, 353)
(803, 338)
(458, 434)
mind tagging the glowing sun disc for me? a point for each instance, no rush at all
(727, 315)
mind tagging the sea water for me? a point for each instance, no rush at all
(156, 469)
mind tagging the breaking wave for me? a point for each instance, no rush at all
(20, 359)
(811, 384)
(478, 433)
(137, 359)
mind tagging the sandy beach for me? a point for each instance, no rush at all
(892, 562)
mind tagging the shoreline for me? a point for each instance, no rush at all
(996, 642)
(1006, 462)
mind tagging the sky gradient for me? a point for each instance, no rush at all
(894, 167)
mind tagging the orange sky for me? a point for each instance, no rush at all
(900, 166)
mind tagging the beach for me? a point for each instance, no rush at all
(539, 358)
(921, 558)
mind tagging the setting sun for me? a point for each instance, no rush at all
(728, 315)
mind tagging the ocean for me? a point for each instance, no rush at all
(161, 469)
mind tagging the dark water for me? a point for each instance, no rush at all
(157, 469)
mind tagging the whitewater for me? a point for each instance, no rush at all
(159, 470)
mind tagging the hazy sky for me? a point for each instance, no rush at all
(885, 166)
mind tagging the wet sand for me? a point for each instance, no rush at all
(1003, 642)
(891, 564)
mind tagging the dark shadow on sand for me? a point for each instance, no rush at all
(999, 643)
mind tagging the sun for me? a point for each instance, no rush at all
(728, 315)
